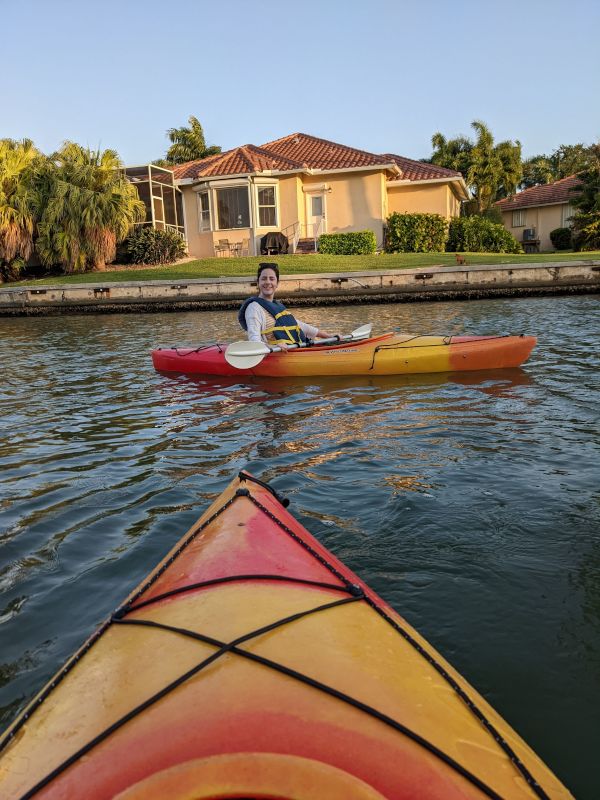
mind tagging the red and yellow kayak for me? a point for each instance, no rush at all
(389, 354)
(252, 663)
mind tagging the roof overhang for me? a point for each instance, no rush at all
(267, 173)
(534, 205)
(457, 181)
(391, 167)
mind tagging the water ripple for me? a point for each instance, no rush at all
(469, 501)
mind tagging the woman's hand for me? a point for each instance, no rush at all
(325, 335)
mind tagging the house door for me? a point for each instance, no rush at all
(315, 214)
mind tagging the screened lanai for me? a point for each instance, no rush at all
(156, 188)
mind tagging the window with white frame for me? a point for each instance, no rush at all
(203, 212)
(233, 208)
(567, 215)
(518, 218)
(267, 207)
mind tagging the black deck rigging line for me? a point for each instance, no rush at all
(224, 647)
(38, 700)
(495, 734)
(228, 579)
(447, 340)
(302, 678)
(503, 744)
(245, 476)
(195, 350)
(357, 594)
(190, 538)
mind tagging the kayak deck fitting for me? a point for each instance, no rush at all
(388, 354)
(253, 663)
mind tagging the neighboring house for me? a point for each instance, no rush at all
(530, 215)
(303, 186)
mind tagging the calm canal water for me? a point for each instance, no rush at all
(470, 503)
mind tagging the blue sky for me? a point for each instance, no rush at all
(381, 75)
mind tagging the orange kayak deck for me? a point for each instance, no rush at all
(253, 663)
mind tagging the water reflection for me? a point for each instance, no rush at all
(468, 500)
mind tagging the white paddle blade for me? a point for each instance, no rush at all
(245, 354)
(363, 332)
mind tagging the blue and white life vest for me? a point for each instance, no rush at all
(285, 326)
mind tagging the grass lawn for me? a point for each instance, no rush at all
(232, 267)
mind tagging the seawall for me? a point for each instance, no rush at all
(402, 285)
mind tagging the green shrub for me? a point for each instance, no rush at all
(586, 230)
(478, 235)
(415, 233)
(146, 245)
(493, 214)
(561, 238)
(11, 270)
(353, 243)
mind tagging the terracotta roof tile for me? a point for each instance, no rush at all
(190, 168)
(419, 170)
(301, 151)
(557, 192)
(321, 153)
(243, 160)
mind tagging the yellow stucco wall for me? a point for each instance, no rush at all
(353, 201)
(200, 245)
(543, 218)
(433, 198)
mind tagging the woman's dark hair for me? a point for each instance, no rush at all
(265, 265)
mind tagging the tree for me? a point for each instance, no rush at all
(537, 170)
(451, 153)
(586, 222)
(492, 171)
(568, 159)
(188, 144)
(17, 204)
(85, 207)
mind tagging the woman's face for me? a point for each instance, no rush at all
(267, 283)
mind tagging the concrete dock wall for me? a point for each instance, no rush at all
(404, 285)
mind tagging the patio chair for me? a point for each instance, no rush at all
(245, 247)
(223, 247)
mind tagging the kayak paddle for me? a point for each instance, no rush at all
(245, 354)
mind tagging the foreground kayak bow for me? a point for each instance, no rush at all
(253, 663)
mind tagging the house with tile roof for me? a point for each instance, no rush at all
(303, 186)
(532, 214)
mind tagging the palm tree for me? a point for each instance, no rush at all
(17, 206)
(537, 170)
(451, 153)
(495, 170)
(86, 205)
(188, 144)
(491, 170)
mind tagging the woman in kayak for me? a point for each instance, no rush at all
(266, 320)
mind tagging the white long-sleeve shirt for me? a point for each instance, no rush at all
(258, 320)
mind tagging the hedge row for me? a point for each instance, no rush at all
(480, 235)
(353, 243)
(431, 233)
(416, 233)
